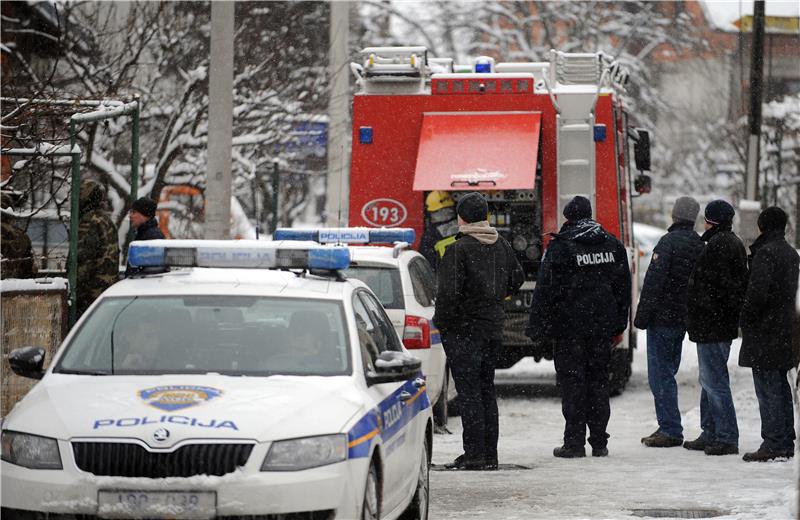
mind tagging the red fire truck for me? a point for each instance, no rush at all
(530, 136)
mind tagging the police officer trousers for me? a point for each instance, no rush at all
(582, 374)
(472, 358)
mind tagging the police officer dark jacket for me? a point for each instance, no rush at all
(475, 276)
(583, 289)
(662, 302)
(768, 311)
(148, 230)
(719, 279)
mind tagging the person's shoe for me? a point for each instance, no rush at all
(462, 463)
(699, 444)
(661, 440)
(766, 455)
(566, 452)
(599, 452)
(721, 448)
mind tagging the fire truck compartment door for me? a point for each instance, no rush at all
(477, 151)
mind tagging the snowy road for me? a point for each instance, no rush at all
(632, 478)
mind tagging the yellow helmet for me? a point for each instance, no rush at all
(437, 200)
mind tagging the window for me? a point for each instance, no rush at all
(386, 337)
(367, 333)
(383, 281)
(423, 281)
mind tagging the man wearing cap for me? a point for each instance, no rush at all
(662, 312)
(581, 302)
(716, 290)
(475, 275)
(142, 216)
(767, 321)
(98, 246)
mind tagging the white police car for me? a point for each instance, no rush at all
(222, 392)
(405, 284)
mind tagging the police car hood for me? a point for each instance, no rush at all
(586, 231)
(189, 406)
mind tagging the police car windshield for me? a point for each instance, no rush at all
(233, 335)
(384, 282)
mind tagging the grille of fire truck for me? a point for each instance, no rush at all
(514, 329)
(132, 460)
(577, 69)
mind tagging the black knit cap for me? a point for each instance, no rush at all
(578, 208)
(772, 219)
(145, 206)
(472, 207)
(719, 212)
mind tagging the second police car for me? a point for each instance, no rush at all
(223, 389)
(405, 284)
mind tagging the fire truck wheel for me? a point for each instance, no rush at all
(440, 407)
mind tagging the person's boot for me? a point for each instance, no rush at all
(699, 444)
(567, 452)
(463, 463)
(599, 452)
(721, 448)
(658, 439)
(766, 455)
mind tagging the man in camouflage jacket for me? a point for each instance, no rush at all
(98, 247)
(16, 254)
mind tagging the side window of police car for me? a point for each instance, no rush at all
(422, 282)
(386, 337)
(366, 333)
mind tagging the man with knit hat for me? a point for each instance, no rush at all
(716, 290)
(662, 311)
(142, 217)
(476, 274)
(767, 321)
(581, 302)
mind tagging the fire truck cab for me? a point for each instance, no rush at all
(530, 136)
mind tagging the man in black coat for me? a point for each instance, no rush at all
(581, 301)
(662, 312)
(142, 217)
(475, 275)
(767, 319)
(716, 291)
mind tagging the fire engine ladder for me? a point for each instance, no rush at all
(575, 78)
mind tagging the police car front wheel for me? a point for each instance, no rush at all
(371, 509)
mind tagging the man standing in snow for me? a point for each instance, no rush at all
(581, 301)
(662, 312)
(767, 320)
(142, 216)
(475, 275)
(716, 290)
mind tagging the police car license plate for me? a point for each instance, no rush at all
(189, 505)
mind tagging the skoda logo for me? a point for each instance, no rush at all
(161, 434)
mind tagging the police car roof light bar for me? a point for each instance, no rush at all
(249, 254)
(352, 235)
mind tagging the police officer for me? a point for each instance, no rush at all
(440, 226)
(98, 246)
(142, 216)
(581, 301)
(475, 275)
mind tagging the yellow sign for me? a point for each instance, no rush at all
(772, 24)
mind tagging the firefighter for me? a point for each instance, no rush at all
(581, 301)
(440, 226)
(475, 275)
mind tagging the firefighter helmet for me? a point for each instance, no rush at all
(437, 200)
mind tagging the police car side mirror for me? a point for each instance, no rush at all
(27, 362)
(393, 366)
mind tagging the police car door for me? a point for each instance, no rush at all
(397, 420)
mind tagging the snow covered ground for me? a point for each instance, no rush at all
(632, 478)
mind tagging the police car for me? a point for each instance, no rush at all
(405, 284)
(211, 387)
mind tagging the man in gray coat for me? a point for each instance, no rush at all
(766, 319)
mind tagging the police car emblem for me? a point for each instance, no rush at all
(161, 434)
(178, 397)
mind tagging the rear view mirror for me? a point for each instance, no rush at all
(27, 362)
(641, 150)
(642, 184)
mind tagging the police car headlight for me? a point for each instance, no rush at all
(30, 451)
(305, 453)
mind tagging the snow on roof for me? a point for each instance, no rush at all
(33, 284)
(721, 14)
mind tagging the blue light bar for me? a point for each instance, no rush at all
(237, 254)
(348, 235)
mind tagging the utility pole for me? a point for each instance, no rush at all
(338, 181)
(749, 215)
(220, 122)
